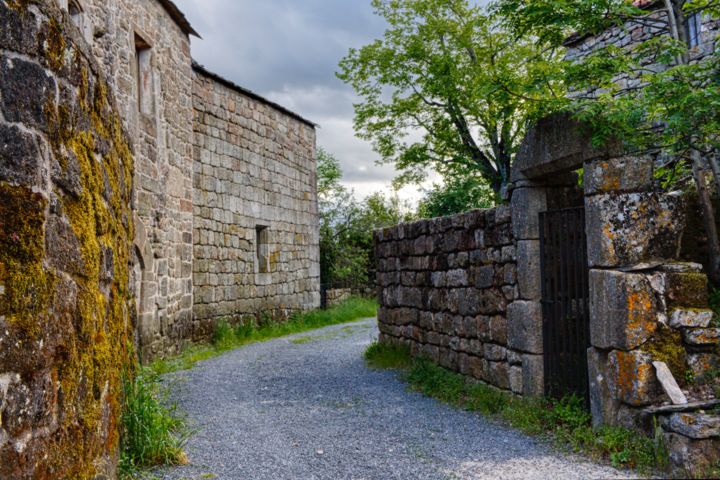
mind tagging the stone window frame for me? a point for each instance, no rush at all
(262, 249)
(144, 75)
(79, 18)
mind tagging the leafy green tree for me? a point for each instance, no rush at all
(449, 88)
(457, 195)
(346, 225)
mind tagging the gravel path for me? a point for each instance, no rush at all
(307, 407)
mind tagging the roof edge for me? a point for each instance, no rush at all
(233, 86)
(179, 17)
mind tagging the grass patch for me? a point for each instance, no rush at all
(152, 434)
(565, 421)
(227, 337)
(385, 356)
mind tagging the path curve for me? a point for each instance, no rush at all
(307, 407)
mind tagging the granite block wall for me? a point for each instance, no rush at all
(162, 134)
(646, 307)
(255, 182)
(66, 228)
(445, 286)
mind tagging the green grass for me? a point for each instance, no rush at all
(152, 434)
(564, 421)
(385, 356)
(227, 337)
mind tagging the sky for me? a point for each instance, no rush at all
(288, 51)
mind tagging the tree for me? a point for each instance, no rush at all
(674, 106)
(346, 225)
(449, 88)
(457, 195)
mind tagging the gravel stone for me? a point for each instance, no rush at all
(267, 410)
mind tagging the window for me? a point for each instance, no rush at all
(76, 13)
(78, 17)
(144, 76)
(694, 26)
(262, 253)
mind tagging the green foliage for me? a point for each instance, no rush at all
(566, 421)
(673, 106)
(152, 434)
(227, 337)
(346, 225)
(386, 357)
(551, 22)
(329, 174)
(452, 72)
(457, 195)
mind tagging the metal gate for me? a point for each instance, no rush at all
(566, 332)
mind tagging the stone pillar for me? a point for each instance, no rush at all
(633, 232)
(525, 314)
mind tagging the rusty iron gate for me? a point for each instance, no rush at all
(565, 301)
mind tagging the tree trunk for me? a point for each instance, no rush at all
(708, 217)
(677, 19)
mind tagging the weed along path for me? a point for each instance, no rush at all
(308, 407)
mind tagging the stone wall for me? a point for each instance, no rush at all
(254, 167)
(645, 305)
(336, 296)
(162, 139)
(445, 286)
(65, 235)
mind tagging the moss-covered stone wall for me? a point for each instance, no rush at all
(66, 228)
(162, 137)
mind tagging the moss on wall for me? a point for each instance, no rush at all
(667, 346)
(98, 347)
(27, 285)
(100, 218)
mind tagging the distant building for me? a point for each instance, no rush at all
(699, 31)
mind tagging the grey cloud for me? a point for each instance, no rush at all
(288, 50)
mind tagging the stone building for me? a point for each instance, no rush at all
(256, 234)
(142, 199)
(225, 181)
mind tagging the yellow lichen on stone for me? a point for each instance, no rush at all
(55, 45)
(641, 317)
(27, 286)
(18, 5)
(100, 218)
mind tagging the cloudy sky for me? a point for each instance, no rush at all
(288, 50)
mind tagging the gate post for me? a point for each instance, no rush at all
(525, 314)
(632, 230)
